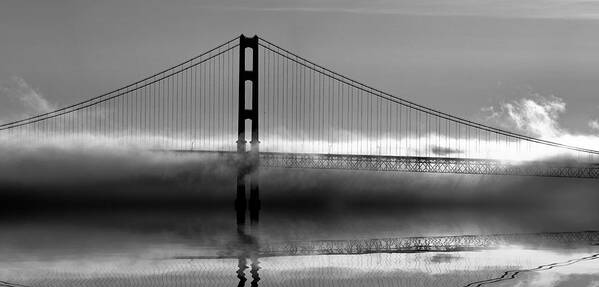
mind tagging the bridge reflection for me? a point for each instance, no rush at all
(247, 236)
(412, 164)
(242, 266)
(248, 255)
(437, 259)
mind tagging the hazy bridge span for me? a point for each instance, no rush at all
(298, 114)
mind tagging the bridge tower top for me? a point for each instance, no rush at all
(248, 98)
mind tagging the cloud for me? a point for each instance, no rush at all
(594, 124)
(443, 151)
(81, 163)
(538, 116)
(92, 196)
(19, 100)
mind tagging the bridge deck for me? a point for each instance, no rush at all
(428, 244)
(419, 164)
(407, 244)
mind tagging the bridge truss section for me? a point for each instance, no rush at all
(426, 164)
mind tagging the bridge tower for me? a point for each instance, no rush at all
(248, 110)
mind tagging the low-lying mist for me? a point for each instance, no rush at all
(119, 194)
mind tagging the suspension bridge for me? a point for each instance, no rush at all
(298, 114)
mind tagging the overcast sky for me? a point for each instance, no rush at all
(458, 56)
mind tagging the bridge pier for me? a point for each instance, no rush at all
(247, 173)
(249, 159)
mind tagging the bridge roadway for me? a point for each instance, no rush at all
(429, 244)
(417, 164)
(549, 240)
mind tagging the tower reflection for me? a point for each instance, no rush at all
(247, 247)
